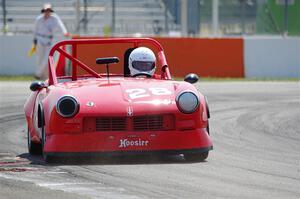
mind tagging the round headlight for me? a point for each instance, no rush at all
(67, 106)
(187, 102)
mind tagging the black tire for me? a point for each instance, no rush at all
(196, 157)
(47, 158)
(207, 128)
(208, 115)
(43, 138)
(33, 148)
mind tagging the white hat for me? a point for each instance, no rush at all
(47, 6)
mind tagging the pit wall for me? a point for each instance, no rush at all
(205, 57)
(14, 59)
(262, 57)
(13, 55)
(272, 57)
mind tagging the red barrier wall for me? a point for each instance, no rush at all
(222, 57)
(205, 57)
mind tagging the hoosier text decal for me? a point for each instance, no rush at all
(125, 143)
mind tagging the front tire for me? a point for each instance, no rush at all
(47, 158)
(196, 157)
(207, 128)
(33, 148)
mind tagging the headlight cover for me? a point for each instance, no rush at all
(67, 106)
(187, 102)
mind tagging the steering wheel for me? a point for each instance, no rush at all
(142, 74)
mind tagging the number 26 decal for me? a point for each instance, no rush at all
(139, 92)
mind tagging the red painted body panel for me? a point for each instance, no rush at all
(116, 141)
(117, 113)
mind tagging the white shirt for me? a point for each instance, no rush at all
(45, 28)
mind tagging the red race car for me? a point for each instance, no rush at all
(105, 113)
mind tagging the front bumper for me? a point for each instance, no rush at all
(129, 142)
(129, 153)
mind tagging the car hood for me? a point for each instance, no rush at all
(125, 96)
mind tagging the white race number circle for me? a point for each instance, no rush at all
(160, 91)
(137, 93)
(140, 92)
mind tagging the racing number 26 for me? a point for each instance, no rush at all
(139, 92)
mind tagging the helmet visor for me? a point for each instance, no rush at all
(143, 65)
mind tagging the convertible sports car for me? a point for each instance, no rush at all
(88, 112)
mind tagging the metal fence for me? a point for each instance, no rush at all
(237, 17)
(194, 18)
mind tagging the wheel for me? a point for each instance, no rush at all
(43, 137)
(196, 157)
(47, 158)
(207, 128)
(33, 148)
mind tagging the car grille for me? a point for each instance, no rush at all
(145, 123)
(111, 124)
(137, 123)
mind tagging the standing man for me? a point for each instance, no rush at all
(45, 26)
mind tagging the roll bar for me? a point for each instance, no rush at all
(165, 74)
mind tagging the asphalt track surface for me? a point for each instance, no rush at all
(255, 127)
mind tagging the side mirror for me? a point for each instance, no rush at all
(35, 86)
(107, 60)
(191, 78)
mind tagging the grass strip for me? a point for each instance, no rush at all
(16, 78)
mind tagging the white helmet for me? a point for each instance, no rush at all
(142, 61)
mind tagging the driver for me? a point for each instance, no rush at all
(142, 61)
